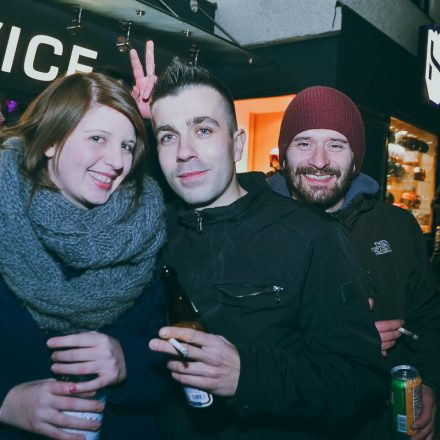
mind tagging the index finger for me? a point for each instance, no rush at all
(87, 339)
(88, 387)
(136, 66)
(150, 67)
(389, 325)
(188, 335)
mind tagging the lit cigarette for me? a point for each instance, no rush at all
(179, 347)
(406, 332)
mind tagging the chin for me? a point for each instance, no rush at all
(95, 201)
(196, 199)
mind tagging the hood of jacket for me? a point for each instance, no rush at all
(358, 199)
(362, 189)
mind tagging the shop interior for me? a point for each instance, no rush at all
(412, 155)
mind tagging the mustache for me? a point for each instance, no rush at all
(313, 170)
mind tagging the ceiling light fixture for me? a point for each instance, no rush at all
(74, 26)
(123, 41)
(193, 55)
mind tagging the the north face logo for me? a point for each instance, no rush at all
(381, 247)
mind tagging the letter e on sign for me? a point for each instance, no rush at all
(74, 65)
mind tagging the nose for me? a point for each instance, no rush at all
(186, 150)
(113, 156)
(319, 158)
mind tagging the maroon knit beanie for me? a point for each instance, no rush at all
(323, 108)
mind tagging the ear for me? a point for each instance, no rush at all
(239, 143)
(50, 152)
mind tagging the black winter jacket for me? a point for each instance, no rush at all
(282, 283)
(128, 413)
(392, 248)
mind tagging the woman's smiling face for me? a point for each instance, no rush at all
(95, 158)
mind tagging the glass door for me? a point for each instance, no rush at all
(412, 154)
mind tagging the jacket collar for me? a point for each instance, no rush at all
(253, 182)
(362, 184)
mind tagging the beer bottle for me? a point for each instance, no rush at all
(182, 313)
(100, 395)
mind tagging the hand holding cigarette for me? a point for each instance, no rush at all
(179, 347)
(389, 333)
(214, 362)
(406, 332)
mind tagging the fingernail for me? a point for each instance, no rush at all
(164, 332)
(153, 344)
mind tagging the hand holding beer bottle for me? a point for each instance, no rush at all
(182, 313)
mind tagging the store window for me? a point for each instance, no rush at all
(261, 118)
(411, 170)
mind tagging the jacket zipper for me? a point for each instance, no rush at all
(199, 221)
(274, 288)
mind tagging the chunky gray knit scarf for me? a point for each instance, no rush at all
(112, 249)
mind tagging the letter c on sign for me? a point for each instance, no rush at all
(30, 57)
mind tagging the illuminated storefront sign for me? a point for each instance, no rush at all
(32, 53)
(432, 65)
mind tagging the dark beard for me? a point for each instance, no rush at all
(321, 196)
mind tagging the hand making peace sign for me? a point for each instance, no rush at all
(144, 81)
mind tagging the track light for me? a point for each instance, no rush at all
(123, 41)
(193, 55)
(74, 26)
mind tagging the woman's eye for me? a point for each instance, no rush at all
(97, 138)
(128, 148)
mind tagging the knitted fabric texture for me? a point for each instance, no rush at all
(112, 248)
(321, 107)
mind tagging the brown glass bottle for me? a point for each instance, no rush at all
(182, 313)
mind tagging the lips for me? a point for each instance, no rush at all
(319, 178)
(191, 176)
(102, 180)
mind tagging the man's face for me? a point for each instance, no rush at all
(197, 152)
(320, 167)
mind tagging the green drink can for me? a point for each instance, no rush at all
(406, 400)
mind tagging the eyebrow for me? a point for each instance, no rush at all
(193, 121)
(91, 130)
(108, 132)
(199, 119)
(166, 127)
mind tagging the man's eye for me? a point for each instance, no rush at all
(204, 131)
(166, 138)
(336, 147)
(303, 145)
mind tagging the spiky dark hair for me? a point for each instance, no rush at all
(178, 77)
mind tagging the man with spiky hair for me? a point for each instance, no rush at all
(291, 350)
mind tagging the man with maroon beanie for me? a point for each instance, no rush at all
(322, 147)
